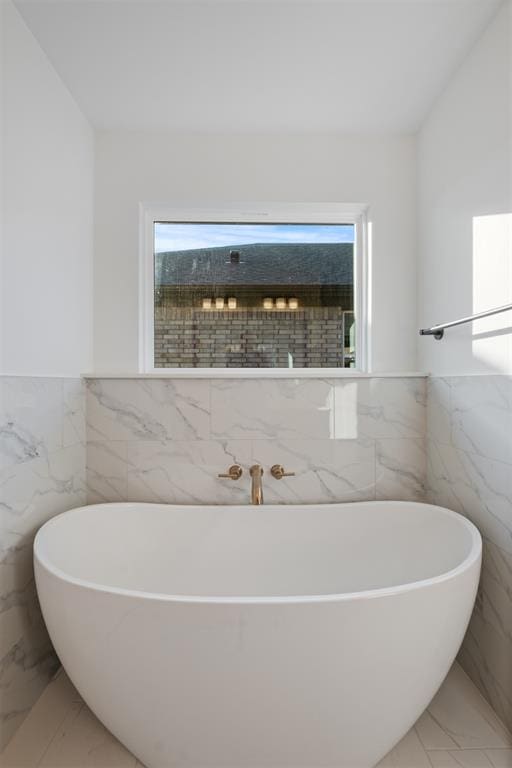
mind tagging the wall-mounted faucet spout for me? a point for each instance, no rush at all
(256, 471)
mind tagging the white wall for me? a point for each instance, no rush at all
(465, 210)
(47, 156)
(465, 266)
(47, 175)
(143, 167)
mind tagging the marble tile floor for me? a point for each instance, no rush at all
(458, 730)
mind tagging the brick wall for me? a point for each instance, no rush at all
(248, 338)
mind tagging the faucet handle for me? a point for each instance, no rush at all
(278, 472)
(233, 473)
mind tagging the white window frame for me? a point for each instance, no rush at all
(296, 213)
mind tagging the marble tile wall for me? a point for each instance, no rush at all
(469, 469)
(42, 473)
(166, 440)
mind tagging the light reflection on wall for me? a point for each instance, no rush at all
(369, 298)
(343, 405)
(492, 287)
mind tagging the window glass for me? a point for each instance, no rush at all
(254, 295)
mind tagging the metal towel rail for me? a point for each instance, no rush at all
(437, 331)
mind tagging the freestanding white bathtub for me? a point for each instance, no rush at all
(272, 636)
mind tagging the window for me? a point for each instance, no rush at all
(238, 290)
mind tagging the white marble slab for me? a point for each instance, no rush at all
(31, 741)
(73, 427)
(409, 753)
(462, 758)
(186, 472)
(326, 427)
(495, 593)
(478, 487)
(325, 470)
(107, 467)
(25, 669)
(486, 656)
(400, 470)
(285, 409)
(34, 491)
(82, 740)
(464, 716)
(500, 758)
(148, 409)
(31, 419)
(481, 413)
(439, 421)
(42, 473)
(469, 469)
(393, 408)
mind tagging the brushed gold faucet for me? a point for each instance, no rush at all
(256, 472)
(234, 472)
(278, 472)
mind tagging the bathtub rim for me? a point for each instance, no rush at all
(474, 555)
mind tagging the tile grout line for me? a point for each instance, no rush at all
(419, 737)
(487, 707)
(468, 749)
(52, 740)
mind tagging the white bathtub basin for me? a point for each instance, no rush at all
(261, 637)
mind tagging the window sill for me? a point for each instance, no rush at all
(257, 373)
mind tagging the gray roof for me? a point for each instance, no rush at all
(270, 263)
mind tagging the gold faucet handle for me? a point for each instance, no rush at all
(278, 472)
(233, 473)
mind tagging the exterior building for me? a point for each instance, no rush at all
(258, 305)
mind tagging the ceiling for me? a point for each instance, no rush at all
(353, 66)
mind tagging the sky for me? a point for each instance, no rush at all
(180, 237)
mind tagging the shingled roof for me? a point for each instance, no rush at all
(260, 263)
